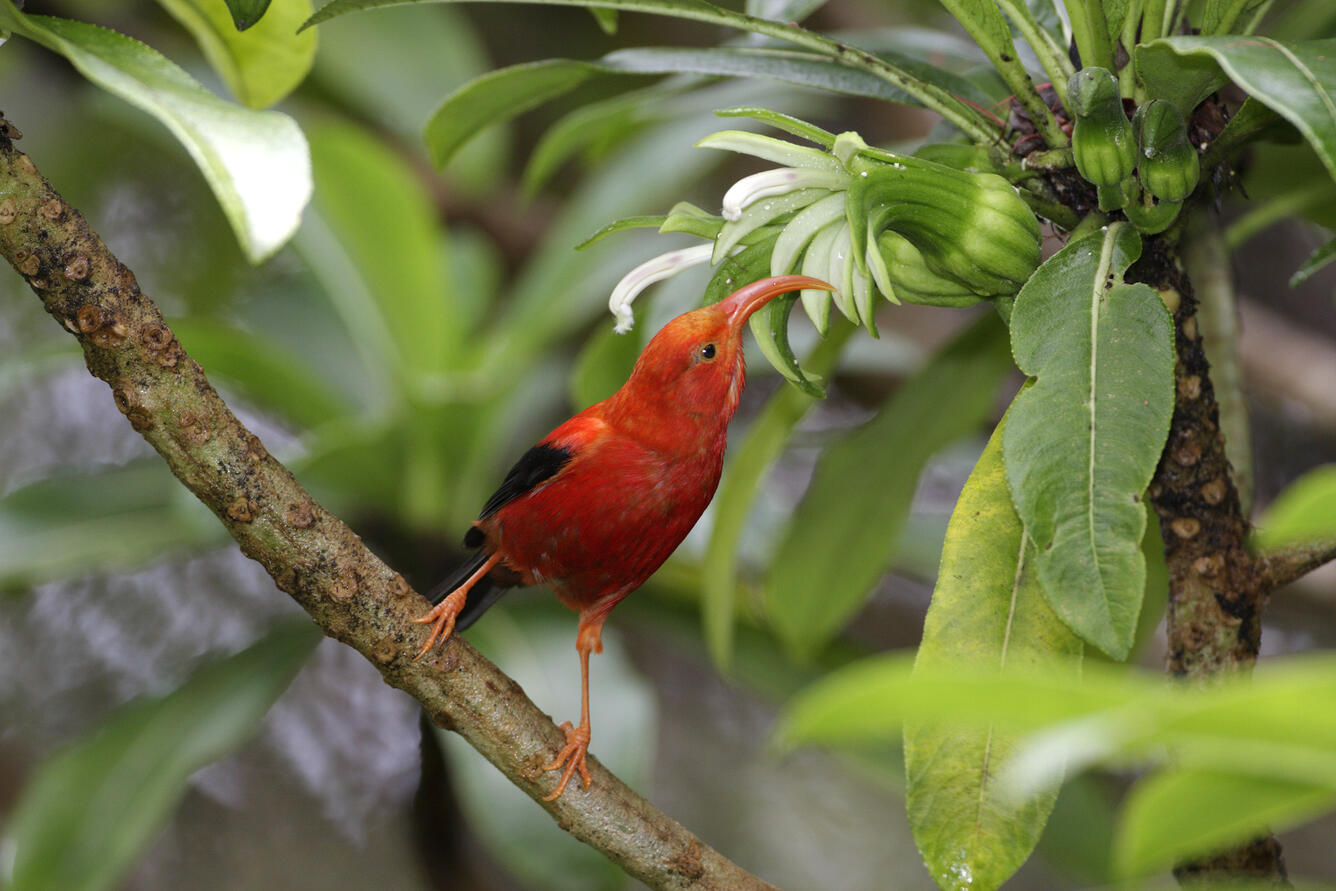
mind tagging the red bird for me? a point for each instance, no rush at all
(597, 506)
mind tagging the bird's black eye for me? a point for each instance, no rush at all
(707, 352)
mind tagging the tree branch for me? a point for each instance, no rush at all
(1280, 567)
(1215, 603)
(310, 553)
(1216, 591)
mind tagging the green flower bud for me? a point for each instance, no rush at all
(1102, 142)
(914, 281)
(1167, 163)
(970, 228)
(1091, 91)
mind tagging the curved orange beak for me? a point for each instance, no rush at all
(746, 300)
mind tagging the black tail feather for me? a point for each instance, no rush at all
(485, 592)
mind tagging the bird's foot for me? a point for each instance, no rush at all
(442, 620)
(573, 757)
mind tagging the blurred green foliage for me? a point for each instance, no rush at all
(413, 330)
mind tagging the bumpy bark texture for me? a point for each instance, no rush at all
(1216, 597)
(1217, 590)
(310, 553)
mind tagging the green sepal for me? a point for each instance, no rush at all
(780, 121)
(1152, 219)
(689, 219)
(648, 221)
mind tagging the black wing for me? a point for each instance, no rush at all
(540, 463)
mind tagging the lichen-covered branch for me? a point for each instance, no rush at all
(310, 553)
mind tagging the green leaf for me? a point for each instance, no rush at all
(559, 289)
(967, 118)
(606, 18)
(1297, 80)
(499, 96)
(748, 463)
(789, 66)
(684, 8)
(1079, 836)
(989, 611)
(1302, 513)
(1108, 714)
(845, 530)
(770, 327)
(379, 213)
(1082, 443)
(603, 366)
(985, 23)
(1304, 21)
(869, 701)
(246, 13)
(1176, 815)
(1224, 16)
(783, 10)
(1182, 80)
(407, 87)
(1287, 735)
(1037, 21)
(260, 65)
(1316, 262)
(1155, 600)
(597, 126)
(781, 121)
(116, 519)
(643, 221)
(263, 371)
(255, 162)
(1115, 14)
(502, 94)
(89, 812)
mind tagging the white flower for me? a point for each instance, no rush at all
(779, 181)
(647, 273)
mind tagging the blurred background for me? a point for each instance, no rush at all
(417, 335)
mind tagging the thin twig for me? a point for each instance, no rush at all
(310, 553)
(1283, 566)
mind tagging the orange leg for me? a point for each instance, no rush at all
(442, 616)
(573, 755)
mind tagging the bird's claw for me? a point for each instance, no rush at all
(442, 619)
(573, 756)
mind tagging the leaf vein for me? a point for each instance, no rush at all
(1101, 272)
(1306, 72)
